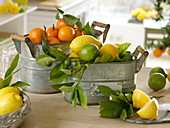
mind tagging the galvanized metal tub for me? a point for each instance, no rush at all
(35, 75)
(120, 76)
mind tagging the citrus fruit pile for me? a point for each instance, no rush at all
(10, 100)
(89, 49)
(148, 108)
(157, 78)
(62, 32)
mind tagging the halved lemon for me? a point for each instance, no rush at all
(149, 110)
(139, 98)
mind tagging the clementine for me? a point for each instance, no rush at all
(61, 23)
(52, 32)
(35, 35)
(157, 52)
(53, 40)
(66, 34)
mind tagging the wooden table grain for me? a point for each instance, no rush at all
(53, 111)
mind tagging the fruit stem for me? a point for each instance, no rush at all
(156, 97)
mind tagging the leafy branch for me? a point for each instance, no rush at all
(72, 20)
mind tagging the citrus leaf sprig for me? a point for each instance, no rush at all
(9, 73)
(61, 72)
(72, 20)
(118, 106)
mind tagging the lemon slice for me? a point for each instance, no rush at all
(149, 110)
(139, 98)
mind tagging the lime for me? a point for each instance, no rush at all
(158, 70)
(127, 56)
(89, 52)
(157, 81)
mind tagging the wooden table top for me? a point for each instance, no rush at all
(53, 111)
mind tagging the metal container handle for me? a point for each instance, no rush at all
(17, 41)
(98, 32)
(141, 59)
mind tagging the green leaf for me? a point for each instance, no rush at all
(74, 101)
(7, 80)
(106, 91)
(66, 71)
(13, 65)
(79, 25)
(130, 111)
(70, 19)
(57, 86)
(60, 11)
(45, 60)
(109, 113)
(82, 96)
(58, 77)
(114, 98)
(56, 69)
(97, 60)
(46, 47)
(62, 56)
(106, 58)
(88, 29)
(123, 48)
(57, 16)
(123, 114)
(79, 72)
(117, 59)
(20, 84)
(66, 89)
(123, 98)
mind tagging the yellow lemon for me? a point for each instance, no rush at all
(9, 89)
(9, 3)
(3, 8)
(9, 103)
(73, 56)
(139, 98)
(149, 110)
(14, 9)
(110, 49)
(80, 41)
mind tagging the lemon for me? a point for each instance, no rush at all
(110, 49)
(158, 70)
(89, 52)
(80, 41)
(157, 81)
(139, 98)
(9, 89)
(9, 103)
(73, 56)
(149, 110)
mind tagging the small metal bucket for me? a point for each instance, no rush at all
(120, 76)
(35, 75)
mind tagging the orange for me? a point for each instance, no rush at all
(110, 49)
(163, 50)
(52, 32)
(78, 32)
(118, 45)
(157, 52)
(83, 32)
(66, 34)
(53, 40)
(168, 52)
(61, 23)
(35, 35)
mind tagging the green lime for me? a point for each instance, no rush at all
(156, 81)
(89, 52)
(158, 70)
(127, 56)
